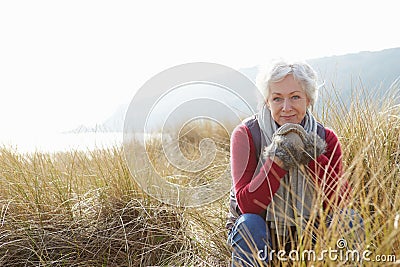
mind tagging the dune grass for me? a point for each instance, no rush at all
(85, 209)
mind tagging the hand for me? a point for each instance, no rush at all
(283, 153)
(286, 146)
(292, 145)
(313, 146)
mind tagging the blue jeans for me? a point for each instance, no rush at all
(250, 237)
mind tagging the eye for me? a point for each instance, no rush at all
(277, 99)
(296, 97)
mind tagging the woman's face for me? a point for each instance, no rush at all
(287, 101)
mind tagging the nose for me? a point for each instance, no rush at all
(286, 105)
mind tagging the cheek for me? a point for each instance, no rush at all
(302, 110)
(274, 110)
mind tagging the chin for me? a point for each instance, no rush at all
(288, 121)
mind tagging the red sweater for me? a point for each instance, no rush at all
(254, 194)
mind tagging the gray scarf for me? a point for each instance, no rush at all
(292, 203)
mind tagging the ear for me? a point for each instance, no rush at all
(267, 104)
(308, 103)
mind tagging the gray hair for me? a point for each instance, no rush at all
(301, 72)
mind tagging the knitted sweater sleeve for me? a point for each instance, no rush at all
(327, 171)
(253, 194)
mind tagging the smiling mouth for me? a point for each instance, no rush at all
(288, 117)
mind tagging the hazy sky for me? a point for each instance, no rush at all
(66, 63)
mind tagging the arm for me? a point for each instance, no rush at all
(327, 171)
(253, 194)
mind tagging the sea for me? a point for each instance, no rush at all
(60, 142)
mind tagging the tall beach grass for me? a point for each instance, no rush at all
(85, 209)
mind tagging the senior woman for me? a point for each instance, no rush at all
(283, 162)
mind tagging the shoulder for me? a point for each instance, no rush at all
(331, 137)
(251, 121)
(244, 127)
(240, 132)
(330, 134)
